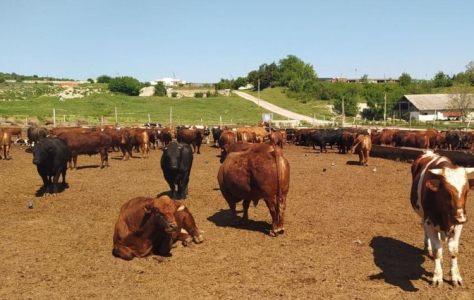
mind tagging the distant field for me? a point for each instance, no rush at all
(315, 108)
(233, 110)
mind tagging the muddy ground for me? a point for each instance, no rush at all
(350, 234)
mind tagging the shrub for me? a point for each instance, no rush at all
(174, 94)
(198, 95)
(208, 94)
(90, 80)
(104, 79)
(125, 85)
(160, 89)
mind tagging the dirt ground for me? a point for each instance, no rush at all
(350, 234)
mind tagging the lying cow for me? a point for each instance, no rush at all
(176, 163)
(152, 225)
(438, 195)
(362, 146)
(50, 157)
(259, 172)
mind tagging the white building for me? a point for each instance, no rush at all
(168, 81)
(426, 107)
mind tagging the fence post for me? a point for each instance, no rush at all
(54, 117)
(116, 122)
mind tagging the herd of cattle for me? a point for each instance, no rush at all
(253, 168)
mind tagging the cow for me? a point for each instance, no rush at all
(236, 147)
(152, 225)
(5, 144)
(36, 134)
(141, 139)
(13, 131)
(260, 133)
(87, 143)
(227, 138)
(411, 139)
(259, 172)
(216, 133)
(362, 146)
(323, 137)
(191, 137)
(346, 141)
(438, 196)
(176, 162)
(278, 138)
(50, 156)
(453, 139)
(166, 136)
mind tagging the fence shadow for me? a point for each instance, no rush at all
(399, 263)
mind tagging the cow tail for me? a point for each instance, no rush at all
(279, 209)
(355, 146)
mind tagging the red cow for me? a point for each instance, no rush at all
(152, 225)
(260, 172)
(5, 144)
(227, 138)
(438, 195)
(278, 137)
(87, 143)
(362, 146)
(191, 137)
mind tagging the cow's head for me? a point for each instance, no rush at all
(41, 153)
(451, 186)
(124, 136)
(172, 155)
(162, 211)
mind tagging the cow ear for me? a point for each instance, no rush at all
(471, 184)
(469, 170)
(147, 209)
(433, 184)
(436, 171)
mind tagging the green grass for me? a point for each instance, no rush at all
(134, 110)
(317, 108)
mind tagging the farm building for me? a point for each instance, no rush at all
(425, 107)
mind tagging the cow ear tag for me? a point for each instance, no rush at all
(181, 207)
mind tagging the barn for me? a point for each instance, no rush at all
(425, 107)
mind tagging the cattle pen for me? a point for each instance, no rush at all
(350, 233)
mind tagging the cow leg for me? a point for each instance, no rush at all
(198, 149)
(437, 252)
(366, 157)
(7, 152)
(271, 204)
(54, 187)
(453, 246)
(122, 252)
(183, 186)
(245, 217)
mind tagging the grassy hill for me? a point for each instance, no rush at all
(317, 108)
(24, 100)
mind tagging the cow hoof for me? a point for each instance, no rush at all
(198, 239)
(437, 282)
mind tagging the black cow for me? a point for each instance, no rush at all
(216, 134)
(453, 139)
(323, 137)
(176, 163)
(50, 156)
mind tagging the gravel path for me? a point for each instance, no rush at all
(281, 111)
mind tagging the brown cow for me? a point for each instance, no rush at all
(438, 196)
(260, 172)
(227, 138)
(346, 141)
(362, 146)
(141, 139)
(5, 144)
(411, 139)
(243, 136)
(191, 137)
(87, 143)
(165, 135)
(57, 130)
(13, 131)
(152, 225)
(278, 137)
(237, 147)
(260, 132)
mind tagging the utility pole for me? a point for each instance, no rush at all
(171, 116)
(385, 110)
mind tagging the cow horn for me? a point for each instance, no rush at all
(436, 171)
(181, 207)
(469, 170)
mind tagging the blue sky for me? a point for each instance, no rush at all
(203, 41)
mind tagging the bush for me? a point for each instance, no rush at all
(208, 94)
(174, 94)
(160, 89)
(104, 79)
(125, 85)
(198, 95)
(90, 80)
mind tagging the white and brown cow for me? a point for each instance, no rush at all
(438, 195)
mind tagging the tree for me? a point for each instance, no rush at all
(462, 101)
(404, 79)
(442, 80)
(470, 72)
(104, 79)
(125, 85)
(292, 68)
(90, 80)
(160, 89)
(239, 82)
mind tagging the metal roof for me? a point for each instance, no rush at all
(430, 101)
